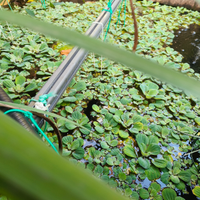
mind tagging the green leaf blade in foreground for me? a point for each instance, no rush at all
(58, 178)
(129, 59)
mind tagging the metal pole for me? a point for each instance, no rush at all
(61, 78)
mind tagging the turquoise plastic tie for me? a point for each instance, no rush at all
(118, 18)
(29, 115)
(43, 4)
(43, 99)
(111, 12)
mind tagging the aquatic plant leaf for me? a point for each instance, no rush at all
(135, 195)
(138, 126)
(168, 194)
(144, 194)
(175, 179)
(128, 191)
(70, 99)
(165, 178)
(129, 151)
(123, 134)
(67, 139)
(180, 185)
(185, 175)
(155, 186)
(30, 12)
(20, 80)
(160, 163)
(75, 144)
(109, 161)
(114, 143)
(8, 83)
(95, 108)
(152, 173)
(197, 120)
(30, 87)
(179, 198)
(122, 176)
(153, 139)
(99, 129)
(196, 191)
(136, 118)
(78, 153)
(70, 126)
(144, 162)
(153, 149)
(151, 93)
(104, 145)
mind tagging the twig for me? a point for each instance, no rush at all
(135, 26)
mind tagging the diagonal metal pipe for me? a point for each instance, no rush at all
(61, 78)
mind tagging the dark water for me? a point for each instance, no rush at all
(187, 43)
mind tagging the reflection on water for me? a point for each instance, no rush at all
(187, 43)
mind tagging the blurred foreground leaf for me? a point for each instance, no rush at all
(32, 171)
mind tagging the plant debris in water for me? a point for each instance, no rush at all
(141, 127)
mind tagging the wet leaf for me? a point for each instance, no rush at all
(169, 194)
(144, 162)
(129, 151)
(122, 176)
(78, 153)
(99, 129)
(165, 177)
(144, 194)
(196, 191)
(123, 134)
(185, 175)
(160, 163)
(174, 179)
(152, 173)
(104, 145)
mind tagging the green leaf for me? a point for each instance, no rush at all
(152, 173)
(155, 186)
(153, 149)
(95, 108)
(169, 194)
(174, 179)
(104, 145)
(67, 139)
(70, 126)
(165, 178)
(151, 93)
(8, 84)
(20, 80)
(144, 162)
(122, 176)
(41, 160)
(30, 12)
(180, 186)
(78, 153)
(99, 129)
(75, 144)
(68, 109)
(76, 115)
(123, 134)
(109, 161)
(185, 175)
(160, 163)
(129, 151)
(196, 191)
(79, 86)
(30, 87)
(114, 143)
(144, 194)
(134, 195)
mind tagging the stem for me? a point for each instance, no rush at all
(135, 26)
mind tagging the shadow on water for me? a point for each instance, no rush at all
(187, 43)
